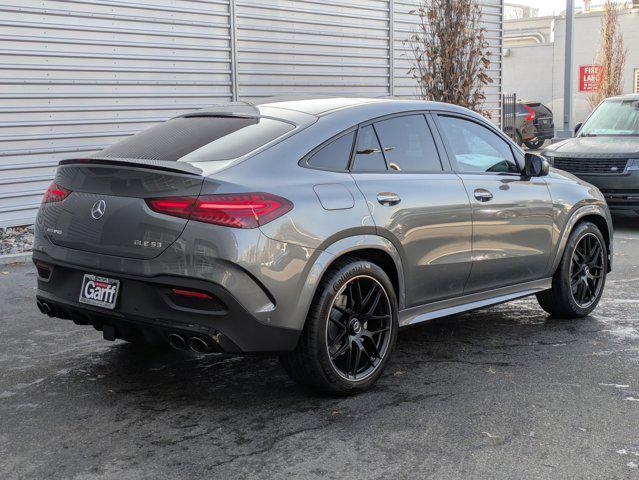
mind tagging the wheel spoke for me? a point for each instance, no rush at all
(354, 358)
(375, 302)
(371, 359)
(373, 345)
(575, 283)
(379, 330)
(342, 310)
(595, 253)
(368, 296)
(338, 338)
(342, 350)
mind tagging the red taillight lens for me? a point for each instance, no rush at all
(531, 113)
(175, 206)
(191, 293)
(239, 210)
(55, 193)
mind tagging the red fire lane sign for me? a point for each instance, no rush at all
(589, 77)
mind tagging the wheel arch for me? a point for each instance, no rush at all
(597, 214)
(374, 248)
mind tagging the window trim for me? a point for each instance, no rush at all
(354, 151)
(449, 151)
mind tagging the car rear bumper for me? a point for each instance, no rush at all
(545, 133)
(146, 309)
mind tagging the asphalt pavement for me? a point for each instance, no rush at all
(501, 393)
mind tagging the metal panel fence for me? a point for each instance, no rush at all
(509, 115)
(78, 75)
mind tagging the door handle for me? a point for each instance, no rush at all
(483, 195)
(388, 198)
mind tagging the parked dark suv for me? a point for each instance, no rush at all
(313, 229)
(537, 124)
(605, 152)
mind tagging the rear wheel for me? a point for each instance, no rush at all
(350, 331)
(534, 144)
(579, 281)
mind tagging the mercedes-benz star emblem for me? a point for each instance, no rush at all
(98, 209)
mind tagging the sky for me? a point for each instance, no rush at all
(550, 7)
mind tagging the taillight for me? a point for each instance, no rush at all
(531, 113)
(239, 210)
(55, 193)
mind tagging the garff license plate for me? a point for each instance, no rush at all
(99, 291)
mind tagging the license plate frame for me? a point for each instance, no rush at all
(99, 291)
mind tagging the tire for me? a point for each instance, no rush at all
(534, 144)
(570, 281)
(317, 362)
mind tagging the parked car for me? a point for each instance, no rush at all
(313, 229)
(535, 124)
(605, 152)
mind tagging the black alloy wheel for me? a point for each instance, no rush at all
(578, 282)
(359, 328)
(587, 270)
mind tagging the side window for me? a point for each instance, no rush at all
(368, 152)
(408, 144)
(335, 155)
(476, 148)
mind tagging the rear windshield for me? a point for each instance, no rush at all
(199, 138)
(540, 109)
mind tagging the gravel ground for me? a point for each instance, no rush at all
(16, 239)
(501, 393)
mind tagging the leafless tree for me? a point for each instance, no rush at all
(451, 55)
(611, 55)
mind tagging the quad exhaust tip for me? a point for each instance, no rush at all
(199, 345)
(177, 341)
(45, 308)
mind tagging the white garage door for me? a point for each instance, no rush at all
(77, 75)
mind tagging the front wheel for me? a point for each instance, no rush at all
(350, 331)
(578, 283)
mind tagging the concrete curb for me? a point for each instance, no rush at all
(15, 258)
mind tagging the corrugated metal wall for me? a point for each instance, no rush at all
(77, 75)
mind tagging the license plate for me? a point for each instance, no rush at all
(99, 291)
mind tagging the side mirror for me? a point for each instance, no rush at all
(536, 165)
(578, 127)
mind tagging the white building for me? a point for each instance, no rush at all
(533, 65)
(78, 75)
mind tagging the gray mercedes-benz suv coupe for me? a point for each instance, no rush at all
(314, 229)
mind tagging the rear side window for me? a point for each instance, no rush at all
(335, 155)
(199, 138)
(368, 152)
(408, 144)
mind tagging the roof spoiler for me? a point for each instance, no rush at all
(168, 166)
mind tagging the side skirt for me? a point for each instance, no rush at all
(453, 306)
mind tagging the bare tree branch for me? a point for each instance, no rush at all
(451, 55)
(611, 55)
